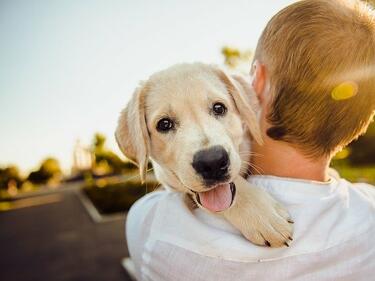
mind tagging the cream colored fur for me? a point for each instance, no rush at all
(185, 93)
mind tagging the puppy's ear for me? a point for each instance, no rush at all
(131, 134)
(238, 88)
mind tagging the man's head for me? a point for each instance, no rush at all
(314, 73)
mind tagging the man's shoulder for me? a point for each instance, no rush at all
(270, 183)
(366, 189)
(363, 193)
(363, 189)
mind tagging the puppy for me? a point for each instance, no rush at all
(194, 122)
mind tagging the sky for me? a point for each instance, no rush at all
(68, 67)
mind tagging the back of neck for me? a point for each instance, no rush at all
(283, 160)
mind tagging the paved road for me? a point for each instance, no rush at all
(59, 241)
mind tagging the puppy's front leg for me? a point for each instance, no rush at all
(259, 217)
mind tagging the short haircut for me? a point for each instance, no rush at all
(309, 48)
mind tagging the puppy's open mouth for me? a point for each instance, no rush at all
(217, 199)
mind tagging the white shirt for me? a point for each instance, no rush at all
(334, 236)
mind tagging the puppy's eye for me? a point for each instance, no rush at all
(219, 109)
(164, 125)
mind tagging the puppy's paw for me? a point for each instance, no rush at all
(259, 217)
(269, 225)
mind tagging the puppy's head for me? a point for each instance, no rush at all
(190, 120)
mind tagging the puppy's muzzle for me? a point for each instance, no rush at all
(212, 165)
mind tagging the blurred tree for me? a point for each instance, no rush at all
(48, 171)
(10, 176)
(363, 149)
(106, 161)
(237, 59)
(231, 56)
(99, 142)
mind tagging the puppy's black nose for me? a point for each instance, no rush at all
(212, 164)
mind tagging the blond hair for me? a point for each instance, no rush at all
(309, 48)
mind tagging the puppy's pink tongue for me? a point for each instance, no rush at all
(217, 199)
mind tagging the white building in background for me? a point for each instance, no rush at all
(83, 158)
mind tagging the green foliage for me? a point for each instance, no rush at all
(49, 169)
(363, 149)
(99, 141)
(106, 161)
(235, 58)
(355, 174)
(117, 197)
(9, 175)
(356, 163)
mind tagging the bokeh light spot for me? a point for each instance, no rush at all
(345, 91)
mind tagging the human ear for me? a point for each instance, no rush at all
(259, 81)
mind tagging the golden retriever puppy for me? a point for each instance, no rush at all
(194, 122)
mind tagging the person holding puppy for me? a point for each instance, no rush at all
(314, 75)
